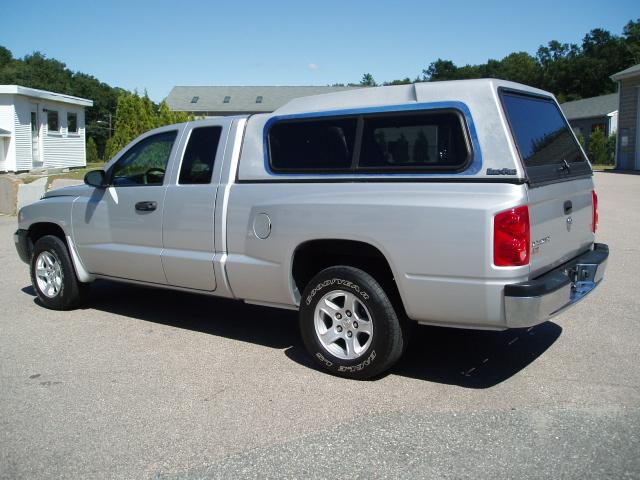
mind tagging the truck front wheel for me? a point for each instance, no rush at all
(53, 276)
(348, 324)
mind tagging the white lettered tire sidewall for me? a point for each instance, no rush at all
(387, 341)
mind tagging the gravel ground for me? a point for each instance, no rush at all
(147, 383)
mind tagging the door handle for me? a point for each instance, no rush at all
(146, 206)
(568, 206)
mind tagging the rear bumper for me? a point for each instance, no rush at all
(22, 245)
(535, 301)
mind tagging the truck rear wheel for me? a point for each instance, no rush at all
(53, 276)
(349, 325)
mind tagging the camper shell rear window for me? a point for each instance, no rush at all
(547, 147)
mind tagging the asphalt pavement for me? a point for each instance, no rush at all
(154, 384)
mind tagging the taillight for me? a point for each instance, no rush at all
(594, 225)
(512, 237)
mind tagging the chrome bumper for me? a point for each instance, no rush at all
(536, 301)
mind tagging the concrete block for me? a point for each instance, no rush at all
(31, 192)
(64, 182)
(8, 194)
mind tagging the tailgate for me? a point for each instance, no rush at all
(559, 177)
(561, 217)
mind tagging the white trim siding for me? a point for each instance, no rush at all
(22, 133)
(60, 149)
(6, 124)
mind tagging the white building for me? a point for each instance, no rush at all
(40, 129)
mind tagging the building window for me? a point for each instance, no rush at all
(259, 99)
(53, 122)
(227, 99)
(598, 126)
(72, 122)
(195, 99)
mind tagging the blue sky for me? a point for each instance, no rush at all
(159, 44)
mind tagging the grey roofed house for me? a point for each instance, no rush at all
(589, 114)
(591, 107)
(234, 100)
(630, 72)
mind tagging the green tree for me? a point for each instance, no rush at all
(105, 100)
(168, 117)
(440, 70)
(403, 81)
(126, 124)
(603, 54)
(92, 151)
(520, 67)
(38, 71)
(367, 80)
(570, 71)
(137, 114)
(469, 72)
(631, 35)
(5, 56)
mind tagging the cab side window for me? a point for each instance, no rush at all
(200, 156)
(146, 162)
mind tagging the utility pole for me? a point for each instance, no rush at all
(110, 124)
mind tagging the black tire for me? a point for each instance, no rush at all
(387, 335)
(70, 292)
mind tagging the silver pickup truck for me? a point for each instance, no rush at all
(464, 204)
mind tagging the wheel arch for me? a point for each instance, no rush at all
(37, 230)
(312, 256)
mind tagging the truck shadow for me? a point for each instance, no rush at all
(474, 358)
(270, 327)
(467, 358)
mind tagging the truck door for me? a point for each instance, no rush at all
(189, 208)
(118, 229)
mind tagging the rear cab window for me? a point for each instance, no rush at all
(548, 149)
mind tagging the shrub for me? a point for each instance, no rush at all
(92, 151)
(601, 148)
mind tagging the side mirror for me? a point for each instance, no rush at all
(96, 178)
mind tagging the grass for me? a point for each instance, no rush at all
(602, 168)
